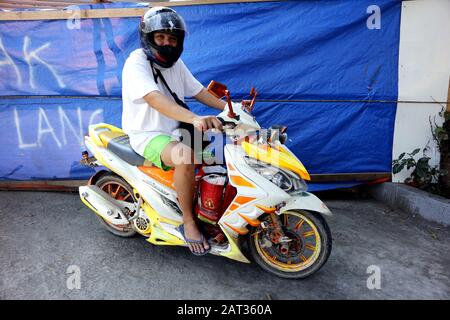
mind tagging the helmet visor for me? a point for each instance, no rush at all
(162, 20)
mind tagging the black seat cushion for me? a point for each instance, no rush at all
(121, 147)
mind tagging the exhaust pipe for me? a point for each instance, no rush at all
(103, 204)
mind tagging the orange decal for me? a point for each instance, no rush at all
(240, 231)
(238, 201)
(253, 223)
(164, 177)
(241, 199)
(230, 166)
(239, 181)
(233, 207)
(266, 209)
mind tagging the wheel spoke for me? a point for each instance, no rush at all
(308, 234)
(117, 191)
(299, 224)
(114, 194)
(126, 197)
(285, 220)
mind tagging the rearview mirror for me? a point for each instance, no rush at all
(217, 89)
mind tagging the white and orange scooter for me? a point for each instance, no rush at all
(262, 194)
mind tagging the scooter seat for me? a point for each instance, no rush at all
(121, 147)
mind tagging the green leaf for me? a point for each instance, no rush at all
(398, 167)
(423, 161)
(414, 152)
(439, 130)
(410, 163)
(447, 116)
(420, 172)
(401, 156)
(395, 169)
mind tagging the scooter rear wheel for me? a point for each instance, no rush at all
(118, 189)
(306, 251)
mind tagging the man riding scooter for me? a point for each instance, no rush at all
(155, 82)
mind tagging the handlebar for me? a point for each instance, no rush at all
(229, 124)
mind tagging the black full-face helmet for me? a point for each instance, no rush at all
(162, 19)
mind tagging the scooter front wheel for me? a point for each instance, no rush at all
(302, 251)
(118, 189)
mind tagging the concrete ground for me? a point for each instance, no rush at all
(43, 234)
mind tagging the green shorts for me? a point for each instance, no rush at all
(154, 149)
(156, 146)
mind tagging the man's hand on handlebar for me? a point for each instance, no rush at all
(204, 123)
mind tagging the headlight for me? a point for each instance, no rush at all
(287, 181)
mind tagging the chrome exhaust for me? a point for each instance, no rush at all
(103, 204)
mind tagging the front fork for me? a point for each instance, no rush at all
(274, 230)
(277, 232)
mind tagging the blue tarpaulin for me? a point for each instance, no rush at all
(332, 52)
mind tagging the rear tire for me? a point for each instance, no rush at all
(119, 189)
(306, 254)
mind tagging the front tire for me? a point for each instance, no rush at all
(307, 251)
(118, 189)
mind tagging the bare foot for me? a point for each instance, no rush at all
(191, 232)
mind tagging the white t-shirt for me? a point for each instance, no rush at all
(139, 120)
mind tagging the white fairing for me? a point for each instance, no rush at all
(266, 194)
(307, 201)
(246, 121)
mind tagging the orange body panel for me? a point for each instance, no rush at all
(239, 181)
(165, 177)
(242, 200)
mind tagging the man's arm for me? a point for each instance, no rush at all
(170, 109)
(207, 98)
(167, 107)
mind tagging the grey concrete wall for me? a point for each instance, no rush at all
(413, 201)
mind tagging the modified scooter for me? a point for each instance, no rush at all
(257, 196)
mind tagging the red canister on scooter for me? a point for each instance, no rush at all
(209, 203)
